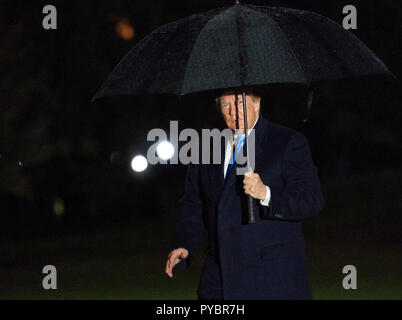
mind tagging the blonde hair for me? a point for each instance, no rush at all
(249, 91)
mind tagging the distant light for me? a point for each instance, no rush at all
(58, 207)
(139, 163)
(124, 29)
(165, 150)
(20, 164)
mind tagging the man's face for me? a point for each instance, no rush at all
(231, 105)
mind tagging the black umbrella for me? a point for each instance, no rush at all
(240, 46)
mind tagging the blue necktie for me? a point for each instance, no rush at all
(239, 145)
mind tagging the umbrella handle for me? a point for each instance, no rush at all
(251, 216)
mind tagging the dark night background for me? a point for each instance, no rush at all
(69, 197)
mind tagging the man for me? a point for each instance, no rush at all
(261, 260)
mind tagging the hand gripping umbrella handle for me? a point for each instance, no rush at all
(251, 216)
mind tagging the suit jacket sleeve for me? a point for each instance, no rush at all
(189, 228)
(300, 196)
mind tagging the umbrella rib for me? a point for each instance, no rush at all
(323, 43)
(308, 79)
(195, 42)
(242, 55)
(161, 53)
(180, 88)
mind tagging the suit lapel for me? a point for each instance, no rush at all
(215, 172)
(261, 134)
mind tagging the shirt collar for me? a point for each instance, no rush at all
(248, 130)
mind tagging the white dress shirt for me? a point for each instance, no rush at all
(228, 157)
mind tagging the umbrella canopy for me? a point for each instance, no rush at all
(241, 45)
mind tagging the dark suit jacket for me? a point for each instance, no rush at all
(264, 260)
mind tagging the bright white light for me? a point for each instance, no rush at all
(139, 163)
(165, 150)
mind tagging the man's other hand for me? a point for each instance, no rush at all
(174, 258)
(253, 186)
